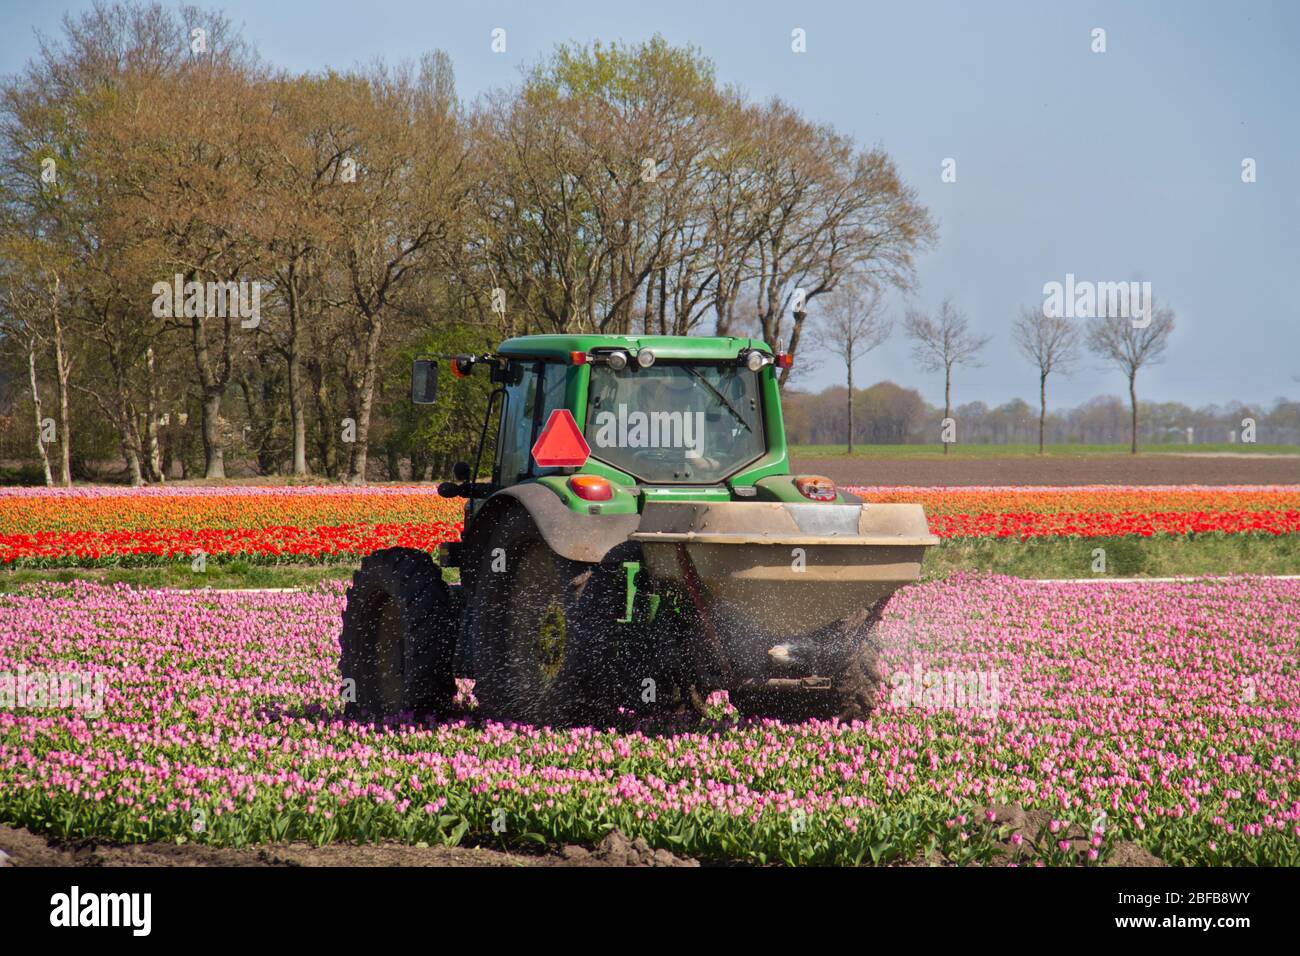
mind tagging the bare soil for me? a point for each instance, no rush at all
(1033, 828)
(19, 847)
(1163, 469)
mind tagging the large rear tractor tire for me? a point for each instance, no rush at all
(399, 633)
(539, 628)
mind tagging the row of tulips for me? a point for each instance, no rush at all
(116, 526)
(1096, 511)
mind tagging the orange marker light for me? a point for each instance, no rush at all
(815, 487)
(591, 487)
(577, 358)
(784, 360)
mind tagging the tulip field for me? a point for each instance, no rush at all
(1163, 715)
(1158, 717)
(314, 524)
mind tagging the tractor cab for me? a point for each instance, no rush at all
(653, 416)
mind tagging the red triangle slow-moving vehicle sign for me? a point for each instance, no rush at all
(561, 445)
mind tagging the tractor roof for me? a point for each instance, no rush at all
(703, 348)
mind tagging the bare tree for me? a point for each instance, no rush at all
(15, 325)
(313, 149)
(398, 209)
(853, 324)
(824, 209)
(30, 313)
(1128, 346)
(942, 343)
(1052, 344)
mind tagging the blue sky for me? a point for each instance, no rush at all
(1111, 166)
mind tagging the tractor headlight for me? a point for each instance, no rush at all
(755, 360)
(617, 360)
(645, 358)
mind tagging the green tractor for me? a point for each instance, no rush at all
(641, 544)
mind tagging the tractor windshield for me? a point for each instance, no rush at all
(675, 423)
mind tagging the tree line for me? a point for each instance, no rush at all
(854, 321)
(202, 256)
(886, 413)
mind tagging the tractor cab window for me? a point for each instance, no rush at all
(684, 423)
(535, 389)
(515, 439)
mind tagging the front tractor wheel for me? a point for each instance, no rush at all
(399, 632)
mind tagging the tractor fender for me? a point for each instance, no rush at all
(570, 534)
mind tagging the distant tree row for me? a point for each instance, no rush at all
(852, 322)
(887, 413)
(157, 175)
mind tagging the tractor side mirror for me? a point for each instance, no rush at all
(460, 471)
(424, 382)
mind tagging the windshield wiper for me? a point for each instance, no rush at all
(722, 398)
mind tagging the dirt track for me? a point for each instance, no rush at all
(20, 847)
(1124, 470)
